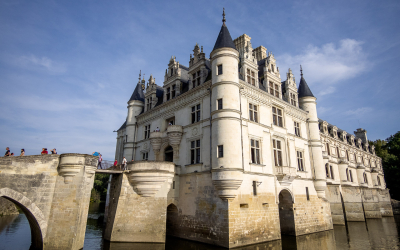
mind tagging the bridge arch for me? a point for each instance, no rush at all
(172, 221)
(34, 215)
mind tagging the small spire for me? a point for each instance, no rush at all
(301, 71)
(140, 75)
(201, 49)
(223, 15)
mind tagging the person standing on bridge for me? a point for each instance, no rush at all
(8, 153)
(44, 151)
(22, 152)
(100, 160)
(124, 164)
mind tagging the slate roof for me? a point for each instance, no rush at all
(138, 93)
(304, 90)
(122, 127)
(224, 39)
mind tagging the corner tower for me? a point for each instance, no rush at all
(135, 107)
(226, 153)
(308, 103)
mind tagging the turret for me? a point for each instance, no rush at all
(135, 107)
(226, 150)
(308, 103)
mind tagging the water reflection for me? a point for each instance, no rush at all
(370, 235)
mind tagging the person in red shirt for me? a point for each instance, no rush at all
(44, 151)
(115, 163)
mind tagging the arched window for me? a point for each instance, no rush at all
(365, 178)
(332, 176)
(327, 170)
(327, 148)
(379, 180)
(351, 176)
(347, 174)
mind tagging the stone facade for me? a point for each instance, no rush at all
(54, 193)
(248, 151)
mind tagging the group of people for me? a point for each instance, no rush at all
(123, 164)
(100, 159)
(44, 152)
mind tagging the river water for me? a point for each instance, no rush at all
(370, 235)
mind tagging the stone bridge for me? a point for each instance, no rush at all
(54, 193)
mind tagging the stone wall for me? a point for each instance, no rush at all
(53, 191)
(7, 207)
(353, 203)
(334, 197)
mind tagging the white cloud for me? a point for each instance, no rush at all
(359, 111)
(329, 64)
(40, 63)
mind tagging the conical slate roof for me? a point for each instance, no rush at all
(138, 94)
(304, 90)
(224, 39)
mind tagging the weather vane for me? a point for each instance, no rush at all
(223, 15)
(301, 71)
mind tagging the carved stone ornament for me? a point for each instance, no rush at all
(174, 137)
(156, 141)
(147, 177)
(71, 164)
(227, 182)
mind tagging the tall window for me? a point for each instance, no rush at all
(379, 180)
(331, 171)
(347, 155)
(297, 128)
(307, 194)
(365, 178)
(173, 91)
(196, 113)
(255, 188)
(277, 152)
(347, 174)
(219, 68)
(219, 104)
(277, 116)
(327, 170)
(172, 71)
(220, 151)
(327, 148)
(146, 131)
(293, 99)
(274, 89)
(338, 152)
(251, 77)
(145, 156)
(351, 176)
(196, 79)
(255, 151)
(168, 93)
(253, 112)
(195, 152)
(300, 162)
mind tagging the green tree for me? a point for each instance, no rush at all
(389, 151)
(100, 186)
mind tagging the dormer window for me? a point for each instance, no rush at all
(293, 99)
(251, 77)
(272, 68)
(274, 89)
(168, 93)
(173, 91)
(172, 71)
(196, 79)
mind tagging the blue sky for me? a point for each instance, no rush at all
(68, 68)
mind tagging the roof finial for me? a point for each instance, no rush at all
(301, 71)
(140, 75)
(223, 15)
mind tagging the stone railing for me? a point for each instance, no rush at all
(147, 177)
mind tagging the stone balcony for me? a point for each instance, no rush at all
(227, 181)
(147, 177)
(173, 134)
(285, 174)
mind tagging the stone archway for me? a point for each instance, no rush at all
(34, 215)
(172, 220)
(286, 214)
